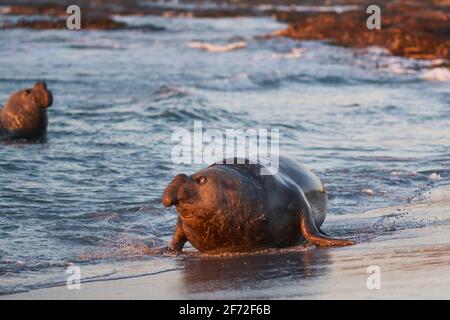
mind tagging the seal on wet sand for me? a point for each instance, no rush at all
(24, 115)
(228, 208)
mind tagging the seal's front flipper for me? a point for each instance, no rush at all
(179, 238)
(312, 234)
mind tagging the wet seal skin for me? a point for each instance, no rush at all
(24, 116)
(231, 208)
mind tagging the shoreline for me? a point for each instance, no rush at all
(410, 244)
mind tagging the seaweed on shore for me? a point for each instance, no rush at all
(90, 23)
(411, 29)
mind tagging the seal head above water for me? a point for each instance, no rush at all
(24, 115)
(229, 208)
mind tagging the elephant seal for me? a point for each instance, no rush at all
(24, 115)
(228, 208)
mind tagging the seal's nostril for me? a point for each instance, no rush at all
(184, 193)
(171, 194)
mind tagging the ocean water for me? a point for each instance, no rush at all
(374, 128)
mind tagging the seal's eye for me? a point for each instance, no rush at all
(26, 92)
(201, 180)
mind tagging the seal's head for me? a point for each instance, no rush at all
(38, 97)
(220, 187)
(24, 115)
(217, 206)
(199, 194)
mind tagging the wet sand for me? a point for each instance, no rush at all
(410, 243)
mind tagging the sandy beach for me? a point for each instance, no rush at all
(410, 246)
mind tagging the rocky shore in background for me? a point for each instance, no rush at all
(87, 23)
(416, 29)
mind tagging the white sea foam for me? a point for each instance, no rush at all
(403, 173)
(434, 176)
(295, 53)
(4, 10)
(368, 191)
(240, 81)
(210, 47)
(436, 74)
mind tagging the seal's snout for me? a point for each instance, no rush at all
(170, 196)
(167, 200)
(42, 95)
(41, 85)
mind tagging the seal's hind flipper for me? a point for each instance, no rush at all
(313, 235)
(321, 231)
